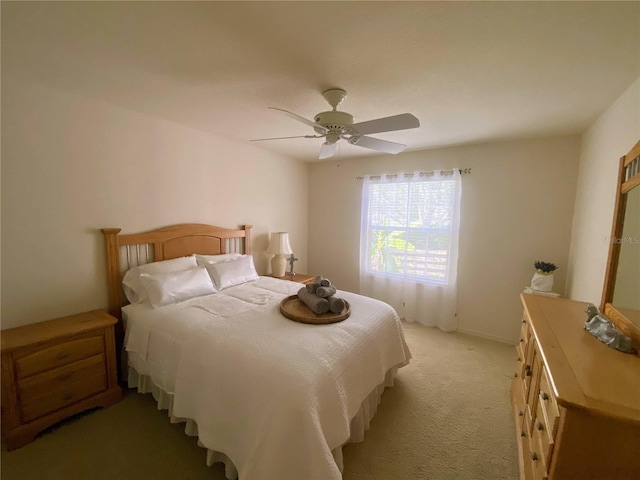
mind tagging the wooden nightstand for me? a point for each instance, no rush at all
(296, 277)
(54, 369)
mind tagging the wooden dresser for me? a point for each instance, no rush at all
(576, 401)
(54, 369)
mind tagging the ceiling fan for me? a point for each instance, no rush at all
(334, 126)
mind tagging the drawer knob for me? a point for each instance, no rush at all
(539, 426)
(527, 371)
(62, 355)
(64, 376)
(543, 395)
(534, 456)
(67, 396)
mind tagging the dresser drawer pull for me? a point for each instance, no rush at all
(527, 370)
(64, 376)
(62, 355)
(67, 396)
(539, 426)
(543, 395)
(534, 456)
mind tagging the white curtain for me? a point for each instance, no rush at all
(415, 296)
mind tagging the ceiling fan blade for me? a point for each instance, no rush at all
(299, 118)
(403, 121)
(285, 138)
(327, 150)
(377, 144)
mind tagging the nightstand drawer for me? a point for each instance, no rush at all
(43, 383)
(35, 407)
(58, 355)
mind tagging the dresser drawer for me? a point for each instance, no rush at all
(520, 360)
(58, 355)
(538, 450)
(523, 344)
(38, 406)
(518, 402)
(531, 358)
(524, 330)
(542, 439)
(43, 383)
(538, 467)
(547, 401)
(532, 384)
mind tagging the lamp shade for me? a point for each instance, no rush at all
(279, 244)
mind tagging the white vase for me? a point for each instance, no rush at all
(543, 282)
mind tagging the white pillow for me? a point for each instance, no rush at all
(224, 257)
(133, 288)
(233, 272)
(173, 287)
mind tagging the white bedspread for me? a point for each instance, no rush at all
(274, 395)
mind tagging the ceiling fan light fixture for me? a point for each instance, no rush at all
(333, 137)
(327, 150)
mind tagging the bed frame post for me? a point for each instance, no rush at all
(113, 271)
(247, 238)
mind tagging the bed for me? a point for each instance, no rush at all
(268, 397)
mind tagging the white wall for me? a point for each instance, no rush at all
(517, 206)
(71, 165)
(610, 137)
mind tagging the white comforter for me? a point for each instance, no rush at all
(274, 395)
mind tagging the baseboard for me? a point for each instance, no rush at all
(508, 341)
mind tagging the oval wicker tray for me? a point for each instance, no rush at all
(294, 309)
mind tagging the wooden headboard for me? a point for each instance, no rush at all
(127, 251)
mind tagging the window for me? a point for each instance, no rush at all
(408, 225)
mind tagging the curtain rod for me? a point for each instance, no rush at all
(422, 174)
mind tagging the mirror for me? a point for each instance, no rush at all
(621, 293)
(626, 292)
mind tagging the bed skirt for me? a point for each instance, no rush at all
(359, 424)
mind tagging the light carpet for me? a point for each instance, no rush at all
(448, 417)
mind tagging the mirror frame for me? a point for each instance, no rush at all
(621, 317)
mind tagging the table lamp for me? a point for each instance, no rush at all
(280, 247)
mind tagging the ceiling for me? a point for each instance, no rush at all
(470, 71)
